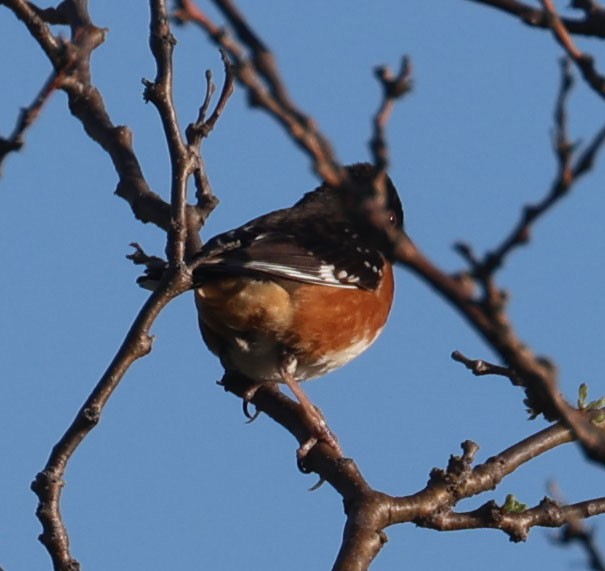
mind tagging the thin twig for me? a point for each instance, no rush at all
(263, 84)
(460, 481)
(26, 119)
(201, 128)
(479, 368)
(584, 62)
(49, 483)
(160, 93)
(568, 174)
(576, 530)
(210, 89)
(87, 105)
(197, 131)
(263, 59)
(370, 512)
(394, 87)
(37, 27)
(260, 76)
(591, 24)
(537, 375)
(515, 524)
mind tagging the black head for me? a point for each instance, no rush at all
(364, 190)
(359, 208)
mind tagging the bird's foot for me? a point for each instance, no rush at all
(319, 432)
(246, 398)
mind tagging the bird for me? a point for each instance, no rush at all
(299, 292)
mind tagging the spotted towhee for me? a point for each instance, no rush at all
(299, 292)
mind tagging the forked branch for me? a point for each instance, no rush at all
(71, 62)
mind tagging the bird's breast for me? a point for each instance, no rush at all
(251, 323)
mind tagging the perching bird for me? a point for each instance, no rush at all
(299, 292)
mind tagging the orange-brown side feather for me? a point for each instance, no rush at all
(323, 327)
(233, 305)
(337, 318)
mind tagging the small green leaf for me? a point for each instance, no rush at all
(597, 420)
(599, 403)
(513, 505)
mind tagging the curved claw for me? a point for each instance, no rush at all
(247, 397)
(317, 484)
(250, 417)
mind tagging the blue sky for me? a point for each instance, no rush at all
(173, 477)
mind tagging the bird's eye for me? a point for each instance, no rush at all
(392, 218)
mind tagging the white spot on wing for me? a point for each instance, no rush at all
(326, 272)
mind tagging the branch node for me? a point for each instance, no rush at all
(91, 414)
(479, 368)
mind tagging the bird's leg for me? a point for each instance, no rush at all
(313, 414)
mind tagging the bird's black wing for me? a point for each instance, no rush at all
(337, 259)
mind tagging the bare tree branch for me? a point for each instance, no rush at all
(487, 315)
(262, 58)
(33, 19)
(162, 42)
(517, 525)
(26, 119)
(371, 512)
(200, 129)
(393, 88)
(592, 24)
(49, 483)
(536, 374)
(569, 173)
(577, 531)
(259, 75)
(72, 74)
(368, 511)
(584, 62)
(86, 103)
(479, 368)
